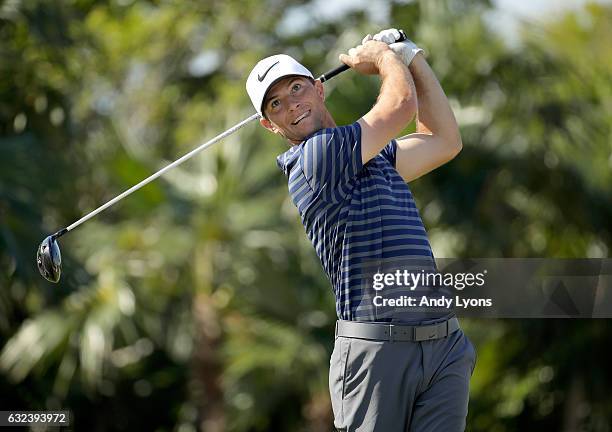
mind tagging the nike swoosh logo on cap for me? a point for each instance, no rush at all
(262, 77)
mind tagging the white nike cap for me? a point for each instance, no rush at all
(267, 72)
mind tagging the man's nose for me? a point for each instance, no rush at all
(294, 104)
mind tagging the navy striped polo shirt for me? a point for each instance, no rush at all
(353, 213)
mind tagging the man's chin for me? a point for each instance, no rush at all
(306, 131)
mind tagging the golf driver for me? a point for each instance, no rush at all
(48, 256)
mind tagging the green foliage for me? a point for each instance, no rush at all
(198, 301)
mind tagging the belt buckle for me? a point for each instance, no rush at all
(424, 333)
(391, 332)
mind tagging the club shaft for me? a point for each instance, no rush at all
(160, 172)
(332, 73)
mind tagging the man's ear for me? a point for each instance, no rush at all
(320, 89)
(268, 125)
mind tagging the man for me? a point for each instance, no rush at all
(349, 186)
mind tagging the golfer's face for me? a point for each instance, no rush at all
(295, 107)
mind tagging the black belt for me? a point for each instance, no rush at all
(396, 332)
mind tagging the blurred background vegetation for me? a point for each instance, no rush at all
(198, 303)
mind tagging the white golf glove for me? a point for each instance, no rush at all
(405, 49)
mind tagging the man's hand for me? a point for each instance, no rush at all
(405, 49)
(367, 58)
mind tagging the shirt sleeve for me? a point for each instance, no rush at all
(389, 152)
(331, 159)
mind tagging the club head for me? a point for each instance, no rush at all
(49, 259)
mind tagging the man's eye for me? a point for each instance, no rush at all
(274, 103)
(297, 87)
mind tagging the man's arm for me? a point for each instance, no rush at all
(396, 104)
(437, 139)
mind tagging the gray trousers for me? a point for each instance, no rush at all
(401, 386)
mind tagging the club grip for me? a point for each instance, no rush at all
(332, 73)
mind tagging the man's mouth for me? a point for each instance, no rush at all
(300, 118)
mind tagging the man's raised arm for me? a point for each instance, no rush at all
(437, 139)
(396, 105)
